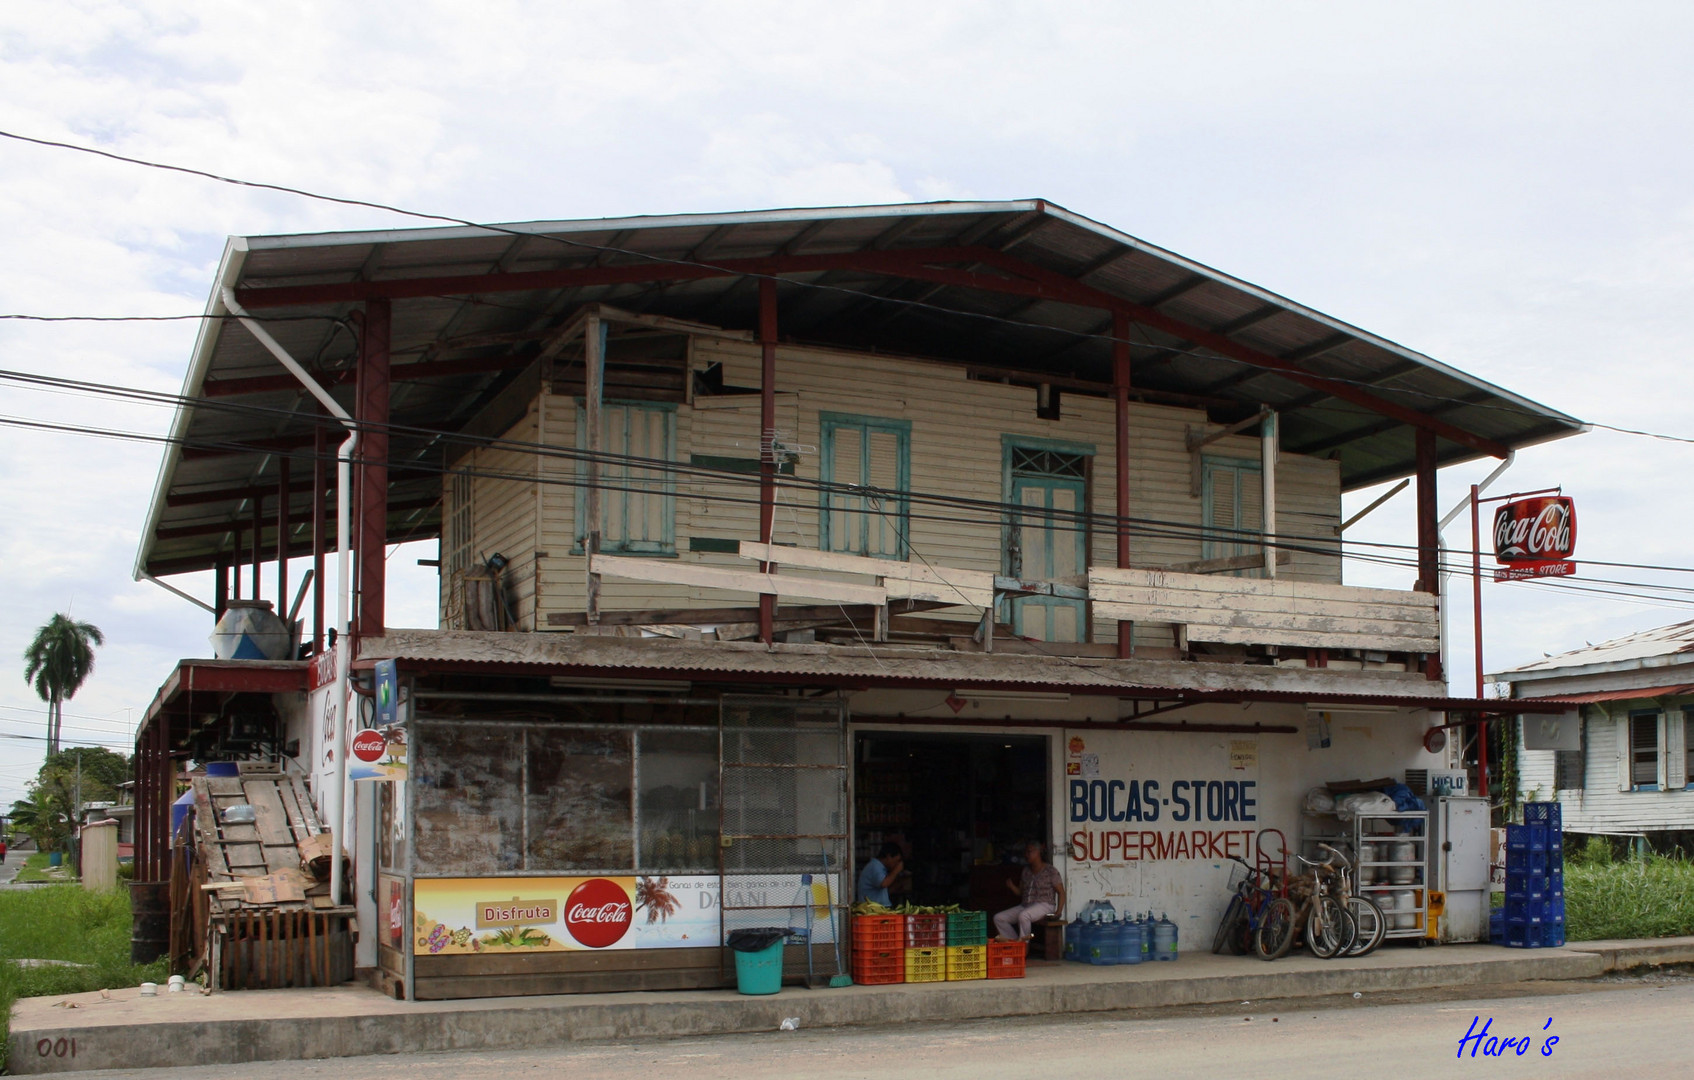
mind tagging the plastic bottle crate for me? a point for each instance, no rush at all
(878, 932)
(926, 931)
(1553, 935)
(1543, 813)
(1005, 959)
(1533, 862)
(1523, 885)
(1517, 838)
(967, 962)
(926, 965)
(967, 928)
(875, 967)
(1525, 935)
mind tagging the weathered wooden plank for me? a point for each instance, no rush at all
(901, 579)
(713, 577)
(1100, 578)
(1209, 603)
(1336, 622)
(1292, 634)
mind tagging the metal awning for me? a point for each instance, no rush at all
(1019, 287)
(1616, 695)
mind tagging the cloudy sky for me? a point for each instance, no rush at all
(1506, 187)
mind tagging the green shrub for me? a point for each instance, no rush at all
(1638, 898)
(1596, 851)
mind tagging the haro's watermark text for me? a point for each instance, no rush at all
(1500, 1045)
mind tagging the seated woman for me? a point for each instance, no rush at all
(1041, 891)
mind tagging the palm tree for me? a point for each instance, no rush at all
(57, 662)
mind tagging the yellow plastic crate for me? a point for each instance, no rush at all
(926, 965)
(967, 962)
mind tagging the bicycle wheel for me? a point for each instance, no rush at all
(1227, 938)
(1275, 933)
(1329, 929)
(1370, 923)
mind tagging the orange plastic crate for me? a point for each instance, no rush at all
(1005, 959)
(879, 932)
(879, 966)
(926, 931)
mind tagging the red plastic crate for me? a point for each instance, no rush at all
(879, 932)
(1005, 959)
(874, 967)
(926, 931)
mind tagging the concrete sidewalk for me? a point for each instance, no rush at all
(124, 1030)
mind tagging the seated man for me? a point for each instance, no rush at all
(880, 873)
(1041, 891)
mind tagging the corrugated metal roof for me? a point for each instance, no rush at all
(1627, 695)
(891, 666)
(1675, 640)
(205, 489)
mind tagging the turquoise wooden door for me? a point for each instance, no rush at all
(1050, 542)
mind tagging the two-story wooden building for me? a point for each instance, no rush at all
(767, 537)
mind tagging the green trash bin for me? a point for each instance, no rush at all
(758, 959)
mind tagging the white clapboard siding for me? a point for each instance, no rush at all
(1248, 611)
(504, 503)
(1603, 804)
(957, 425)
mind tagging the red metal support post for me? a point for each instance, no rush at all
(143, 805)
(1120, 398)
(1429, 529)
(221, 577)
(282, 537)
(258, 535)
(767, 442)
(371, 544)
(320, 470)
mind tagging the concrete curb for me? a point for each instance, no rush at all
(350, 1022)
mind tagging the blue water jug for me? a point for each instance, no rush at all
(1129, 941)
(1073, 938)
(1164, 939)
(1105, 950)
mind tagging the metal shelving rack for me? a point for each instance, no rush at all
(1379, 890)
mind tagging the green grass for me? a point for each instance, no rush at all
(64, 922)
(1631, 899)
(35, 870)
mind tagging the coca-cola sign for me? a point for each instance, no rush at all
(369, 745)
(598, 913)
(1537, 530)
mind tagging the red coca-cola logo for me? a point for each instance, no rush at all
(369, 745)
(597, 913)
(1535, 530)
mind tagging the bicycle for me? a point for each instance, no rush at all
(1369, 922)
(1261, 884)
(1329, 928)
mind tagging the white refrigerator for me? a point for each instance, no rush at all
(1460, 855)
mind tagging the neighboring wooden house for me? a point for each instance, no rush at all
(768, 536)
(1629, 768)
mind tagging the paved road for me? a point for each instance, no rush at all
(1636, 1028)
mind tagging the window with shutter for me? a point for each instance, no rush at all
(637, 490)
(866, 470)
(456, 544)
(1570, 765)
(1644, 751)
(1234, 510)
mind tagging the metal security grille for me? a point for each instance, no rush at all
(783, 846)
(1037, 462)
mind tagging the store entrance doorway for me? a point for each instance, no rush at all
(961, 806)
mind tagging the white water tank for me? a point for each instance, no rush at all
(250, 630)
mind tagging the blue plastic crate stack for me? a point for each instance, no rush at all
(1534, 915)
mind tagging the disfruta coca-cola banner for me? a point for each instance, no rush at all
(1535, 537)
